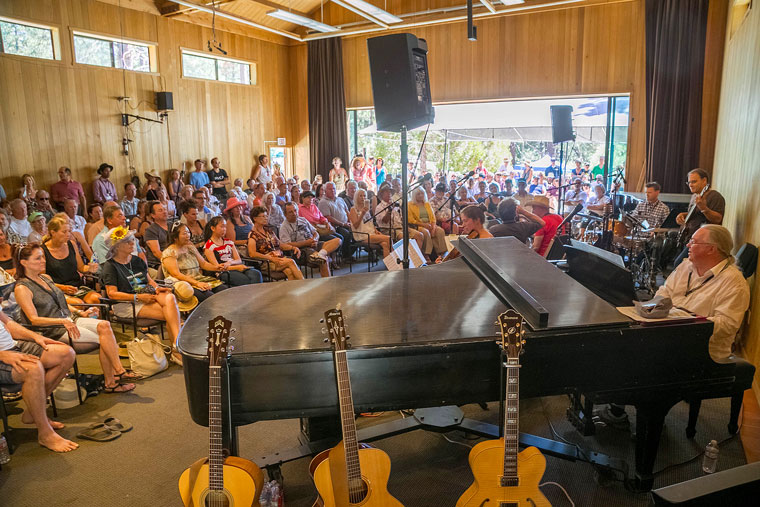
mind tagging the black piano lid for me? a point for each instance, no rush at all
(440, 303)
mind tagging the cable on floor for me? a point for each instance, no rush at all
(455, 442)
(572, 504)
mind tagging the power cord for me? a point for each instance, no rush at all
(572, 504)
(676, 465)
(455, 442)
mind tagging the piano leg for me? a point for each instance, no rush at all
(650, 418)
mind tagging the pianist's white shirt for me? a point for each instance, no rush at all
(723, 300)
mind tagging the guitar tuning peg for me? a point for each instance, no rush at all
(321, 321)
(233, 330)
(348, 337)
(325, 340)
(233, 338)
(324, 330)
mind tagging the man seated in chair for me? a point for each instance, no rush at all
(38, 364)
(709, 285)
(298, 232)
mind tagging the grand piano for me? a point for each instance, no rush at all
(426, 338)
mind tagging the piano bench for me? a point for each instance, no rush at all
(744, 374)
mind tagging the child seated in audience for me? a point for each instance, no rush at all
(221, 253)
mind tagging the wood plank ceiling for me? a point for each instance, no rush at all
(413, 12)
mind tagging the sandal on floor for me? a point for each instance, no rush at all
(175, 357)
(114, 424)
(127, 376)
(99, 432)
(119, 388)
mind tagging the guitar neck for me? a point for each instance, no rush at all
(350, 441)
(511, 423)
(215, 452)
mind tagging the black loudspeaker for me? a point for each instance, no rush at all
(562, 124)
(164, 101)
(736, 487)
(400, 81)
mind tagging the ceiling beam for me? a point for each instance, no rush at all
(488, 5)
(275, 5)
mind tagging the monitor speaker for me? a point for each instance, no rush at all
(562, 124)
(164, 101)
(400, 81)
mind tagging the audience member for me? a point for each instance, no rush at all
(70, 207)
(42, 204)
(421, 216)
(237, 190)
(221, 253)
(199, 178)
(389, 220)
(185, 194)
(311, 213)
(28, 190)
(463, 198)
(264, 245)
(295, 194)
(94, 222)
(212, 202)
(130, 201)
(171, 206)
(348, 194)
(334, 209)
(63, 262)
(113, 217)
(576, 195)
(305, 186)
(103, 188)
(599, 201)
(127, 280)
(362, 227)
(544, 237)
(67, 188)
(39, 227)
(238, 225)
(262, 173)
(181, 262)
(156, 236)
(175, 184)
(257, 196)
(204, 212)
(297, 232)
(379, 172)
(189, 217)
(338, 175)
(140, 222)
(42, 303)
(283, 195)
(19, 227)
(276, 216)
(152, 184)
(6, 255)
(219, 180)
(509, 212)
(38, 364)
(441, 206)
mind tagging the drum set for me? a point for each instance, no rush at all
(640, 246)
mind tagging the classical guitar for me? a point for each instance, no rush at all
(219, 482)
(505, 477)
(685, 233)
(349, 474)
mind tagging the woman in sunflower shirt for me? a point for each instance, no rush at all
(264, 245)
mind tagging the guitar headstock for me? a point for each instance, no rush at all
(512, 329)
(336, 329)
(219, 330)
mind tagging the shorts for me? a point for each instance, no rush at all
(124, 310)
(24, 347)
(88, 329)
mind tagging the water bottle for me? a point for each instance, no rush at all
(5, 455)
(266, 495)
(711, 457)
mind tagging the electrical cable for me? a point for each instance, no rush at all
(572, 504)
(455, 442)
(675, 465)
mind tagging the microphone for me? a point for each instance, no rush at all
(470, 174)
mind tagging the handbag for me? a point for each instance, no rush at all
(147, 356)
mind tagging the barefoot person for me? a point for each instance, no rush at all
(38, 364)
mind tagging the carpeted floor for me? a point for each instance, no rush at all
(141, 468)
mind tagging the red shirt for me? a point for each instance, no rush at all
(548, 231)
(311, 214)
(60, 191)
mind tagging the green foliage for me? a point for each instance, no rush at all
(93, 51)
(26, 40)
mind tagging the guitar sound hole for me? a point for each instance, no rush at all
(508, 504)
(357, 491)
(217, 499)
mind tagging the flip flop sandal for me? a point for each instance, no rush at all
(115, 424)
(98, 432)
(118, 389)
(128, 376)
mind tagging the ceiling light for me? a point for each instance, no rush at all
(512, 2)
(302, 20)
(237, 19)
(368, 8)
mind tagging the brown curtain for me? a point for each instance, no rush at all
(328, 132)
(675, 58)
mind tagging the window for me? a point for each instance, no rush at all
(107, 52)
(26, 39)
(216, 68)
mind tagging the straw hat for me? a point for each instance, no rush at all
(186, 299)
(115, 236)
(65, 394)
(539, 200)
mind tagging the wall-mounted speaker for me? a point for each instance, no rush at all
(164, 101)
(400, 81)
(562, 123)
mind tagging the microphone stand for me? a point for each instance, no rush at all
(414, 186)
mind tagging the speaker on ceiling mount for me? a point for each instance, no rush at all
(400, 82)
(562, 124)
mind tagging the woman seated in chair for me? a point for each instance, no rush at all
(189, 211)
(182, 262)
(422, 217)
(221, 253)
(264, 245)
(361, 224)
(127, 282)
(6, 254)
(43, 304)
(238, 225)
(276, 216)
(64, 265)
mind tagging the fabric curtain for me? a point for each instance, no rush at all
(675, 58)
(328, 131)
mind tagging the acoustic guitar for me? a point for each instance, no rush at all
(686, 231)
(220, 482)
(347, 474)
(505, 477)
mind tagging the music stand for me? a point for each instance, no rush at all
(601, 272)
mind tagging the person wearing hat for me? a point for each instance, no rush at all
(553, 169)
(39, 227)
(442, 208)
(311, 213)
(127, 281)
(545, 235)
(238, 224)
(152, 183)
(103, 189)
(510, 212)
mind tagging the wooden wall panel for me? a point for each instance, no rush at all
(588, 50)
(736, 170)
(60, 113)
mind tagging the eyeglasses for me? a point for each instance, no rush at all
(691, 242)
(43, 198)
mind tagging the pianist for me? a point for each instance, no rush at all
(709, 285)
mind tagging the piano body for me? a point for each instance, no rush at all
(426, 338)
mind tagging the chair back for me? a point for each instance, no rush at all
(746, 259)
